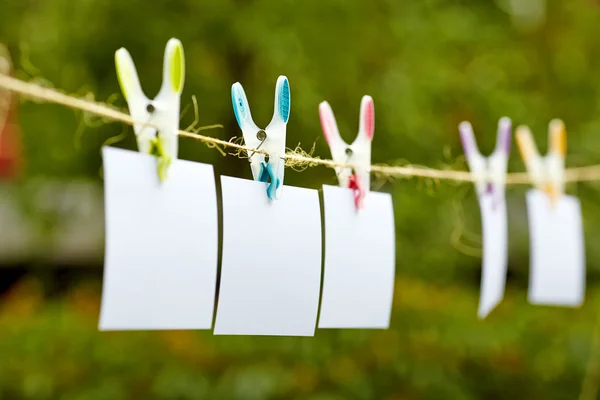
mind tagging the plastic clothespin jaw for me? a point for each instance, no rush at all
(5, 95)
(357, 154)
(489, 173)
(547, 173)
(156, 121)
(270, 140)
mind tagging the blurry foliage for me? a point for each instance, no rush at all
(428, 64)
(435, 349)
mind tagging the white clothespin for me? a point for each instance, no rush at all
(357, 154)
(156, 121)
(490, 179)
(489, 173)
(547, 173)
(271, 139)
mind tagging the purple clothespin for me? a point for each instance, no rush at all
(490, 179)
(490, 172)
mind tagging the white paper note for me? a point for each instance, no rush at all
(557, 266)
(495, 252)
(358, 283)
(161, 244)
(271, 268)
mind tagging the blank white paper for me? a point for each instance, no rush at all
(557, 265)
(271, 267)
(495, 252)
(360, 259)
(160, 263)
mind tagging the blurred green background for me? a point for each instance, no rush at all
(429, 65)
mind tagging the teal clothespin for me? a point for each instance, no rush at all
(271, 139)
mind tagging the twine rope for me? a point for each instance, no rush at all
(294, 158)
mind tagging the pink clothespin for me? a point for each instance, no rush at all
(357, 154)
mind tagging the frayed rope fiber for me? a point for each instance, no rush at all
(297, 158)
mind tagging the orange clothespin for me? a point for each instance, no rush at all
(548, 172)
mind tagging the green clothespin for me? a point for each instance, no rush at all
(156, 121)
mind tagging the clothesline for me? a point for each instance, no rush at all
(296, 158)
